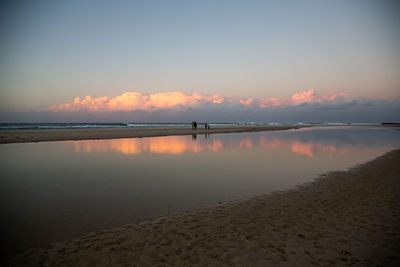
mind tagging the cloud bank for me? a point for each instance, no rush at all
(130, 101)
(305, 106)
(133, 101)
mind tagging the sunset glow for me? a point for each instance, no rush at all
(160, 145)
(212, 132)
(131, 101)
(219, 61)
(179, 145)
(136, 101)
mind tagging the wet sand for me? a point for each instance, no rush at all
(343, 218)
(21, 136)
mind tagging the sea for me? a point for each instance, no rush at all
(33, 126)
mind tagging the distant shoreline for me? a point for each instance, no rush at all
(44, 135)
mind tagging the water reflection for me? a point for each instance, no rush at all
(53, 191)
(307, 145)
(159, 145)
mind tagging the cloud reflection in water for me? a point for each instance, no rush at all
(186, 144)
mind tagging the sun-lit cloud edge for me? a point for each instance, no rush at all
(134, 101)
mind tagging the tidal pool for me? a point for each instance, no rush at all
(53, 191)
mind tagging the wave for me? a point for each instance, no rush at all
(38, 126)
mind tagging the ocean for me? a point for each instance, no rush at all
(33, 126)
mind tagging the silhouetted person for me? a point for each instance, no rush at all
(205, 125)
(192, 125)
(195, 125)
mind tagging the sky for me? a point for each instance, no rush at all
(155, 61)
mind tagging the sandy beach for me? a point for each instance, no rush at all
(343, 218)
(200, 133)
(22, 136)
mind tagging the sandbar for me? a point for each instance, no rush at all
(41, 135)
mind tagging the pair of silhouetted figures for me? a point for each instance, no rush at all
(194, 125)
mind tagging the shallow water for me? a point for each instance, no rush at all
(53, 191)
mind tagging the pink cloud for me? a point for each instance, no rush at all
(311, 96)
(137, 101)
(305, 97)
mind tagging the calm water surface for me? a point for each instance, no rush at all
(53, 191)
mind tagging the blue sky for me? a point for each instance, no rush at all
(54, 51)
